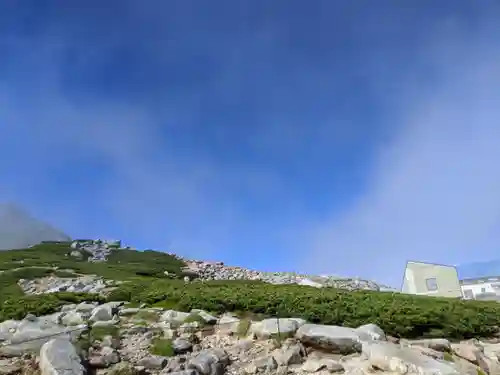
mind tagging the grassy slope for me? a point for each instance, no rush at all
(398, 314)
(37, 261)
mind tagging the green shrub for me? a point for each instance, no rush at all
(98, 333)
(243, 327)
(121, 264)
(40, 260)
(162, 347)
(448, 357)
(399, 315)
(195, 317)
(65, 274)
(19, 307)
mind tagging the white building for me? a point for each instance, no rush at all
(486, 288)
(430, 279)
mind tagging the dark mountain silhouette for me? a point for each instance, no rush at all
(18, 229)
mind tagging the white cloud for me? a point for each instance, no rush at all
(163, 197)
(434, 190)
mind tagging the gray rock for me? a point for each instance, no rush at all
(440, 345)
(106, 357)
(7, 329)
(228, 324)
(59, 357)
(284, 327)
(107, 323)
(153, 362)
(42, 322)
(176, 364)
(316, 364)
(290, 355)
(110, 341)
(182, 345)
(341, 340)
(265, 364)
(372, 330)
(208, 318)
(124, 368)
(129, 311)
(189, 327)
(390, 357)
(76, 254)
(31, 339)
(73, 318)
(68, 307)
(174, 317)
(85, 307)
(210, 362)
(101, 313)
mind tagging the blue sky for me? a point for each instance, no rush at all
(328, 136)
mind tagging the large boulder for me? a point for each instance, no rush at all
(371, 332)
(282, 327)
(336, 339)
(59, 357)
(102, 313)
(174, 317)
(228, 324)
(405, 360)
(210, 362)
(7, 329)
(32, 333)
(441, 345)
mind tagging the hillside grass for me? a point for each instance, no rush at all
(17, 308)
(121, 263)
(399, 315)
(41, 260)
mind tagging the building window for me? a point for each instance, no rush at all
(468, 294)
(483, 290)
(431, 284)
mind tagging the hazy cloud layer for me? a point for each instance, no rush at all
(316, 138)
(434, 191)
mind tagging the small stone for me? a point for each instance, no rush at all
(181, 345)
(153, 362)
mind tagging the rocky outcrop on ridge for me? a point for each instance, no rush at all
(98, 250)
(207, 271)
(95, 250)
(116, 339)
(219, 271)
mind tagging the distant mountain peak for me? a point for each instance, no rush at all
(18, 229)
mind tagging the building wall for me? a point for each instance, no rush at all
(431, 279)
(472, 291)
(479, 288)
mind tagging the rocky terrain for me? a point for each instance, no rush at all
(86, 307)
(53, 284)
(116, 339)
(99, 250)
(219, 271)
(19, 230)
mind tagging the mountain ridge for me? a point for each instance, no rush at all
(19, 229)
